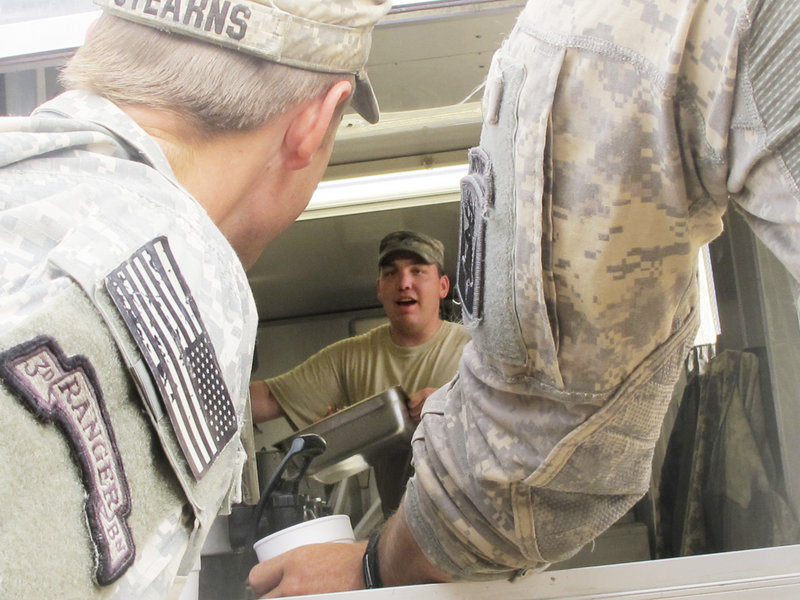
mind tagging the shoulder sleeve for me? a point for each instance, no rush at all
(458, 334)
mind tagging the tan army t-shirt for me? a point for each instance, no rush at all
(357, 368)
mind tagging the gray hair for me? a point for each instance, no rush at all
(212, 87)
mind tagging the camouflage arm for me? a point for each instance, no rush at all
(606, 162)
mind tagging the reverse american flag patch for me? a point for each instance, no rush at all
(153, 298)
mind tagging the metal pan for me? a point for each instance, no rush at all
(358, 434)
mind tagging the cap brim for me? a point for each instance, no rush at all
(428, 260)
(364, 101)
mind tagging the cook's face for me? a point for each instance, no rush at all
(410, 291)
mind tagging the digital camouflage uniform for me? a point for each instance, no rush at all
(616, 133)
(126, 321)
(82, 190)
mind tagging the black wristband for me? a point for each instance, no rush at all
(369, 564)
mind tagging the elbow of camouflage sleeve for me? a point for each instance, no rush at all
(485, 530)
(516, 477)
(470, 546)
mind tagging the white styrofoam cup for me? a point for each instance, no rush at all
(334, 528)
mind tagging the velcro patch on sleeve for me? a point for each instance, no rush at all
(65, 391)
(153, 298)
(477, 197)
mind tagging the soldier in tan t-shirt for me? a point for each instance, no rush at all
(416, 350)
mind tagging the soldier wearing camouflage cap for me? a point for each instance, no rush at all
(191, 134)
(416, 350)
(614, 138)
(427, 248)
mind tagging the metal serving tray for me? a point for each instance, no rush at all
(358, 434)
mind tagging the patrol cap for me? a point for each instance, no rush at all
(429, 249)
(332, 36)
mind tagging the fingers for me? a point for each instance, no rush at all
(416, 401)
(312, 569)
(266, 576)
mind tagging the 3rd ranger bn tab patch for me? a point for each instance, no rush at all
(157, 306)
(62, 390)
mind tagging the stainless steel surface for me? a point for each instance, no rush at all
(358, 434)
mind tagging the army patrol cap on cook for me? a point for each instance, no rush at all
(428, 248)
(332, 36)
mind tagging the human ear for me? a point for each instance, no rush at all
(306, 131)
(444, 286)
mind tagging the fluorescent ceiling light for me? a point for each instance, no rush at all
(386, 191)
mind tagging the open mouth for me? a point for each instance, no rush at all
(409, 302)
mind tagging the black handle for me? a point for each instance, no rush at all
(304, 448)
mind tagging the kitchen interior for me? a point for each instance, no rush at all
(316, 284)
